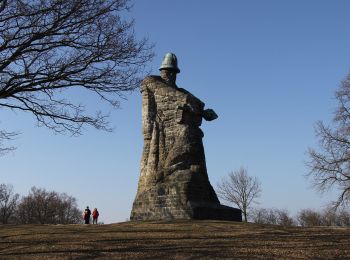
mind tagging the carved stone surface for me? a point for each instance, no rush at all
(174, 182)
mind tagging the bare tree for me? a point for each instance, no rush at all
(48, 207)
(8, 203)
(52, 50)
(240, 189)
(330, 166)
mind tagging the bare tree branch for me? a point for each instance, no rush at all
(49, 47)
(5, 137)
(330, 166)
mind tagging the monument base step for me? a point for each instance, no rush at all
(217, 212)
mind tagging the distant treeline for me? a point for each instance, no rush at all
(38, 207)
(49, 207)
(305, 217)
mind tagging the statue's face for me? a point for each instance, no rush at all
(169, 76)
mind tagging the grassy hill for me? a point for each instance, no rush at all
(172, 240)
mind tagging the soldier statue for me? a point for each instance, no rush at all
(174, 182)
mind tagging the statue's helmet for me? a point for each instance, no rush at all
(169, 62)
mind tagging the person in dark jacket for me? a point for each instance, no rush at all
(86, 215)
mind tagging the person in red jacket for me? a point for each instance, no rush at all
(95, 215)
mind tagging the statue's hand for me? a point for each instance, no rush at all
(185, 108)
(209, 114)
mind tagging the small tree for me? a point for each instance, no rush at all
(330, 166)
(8, 203)
(240, 189)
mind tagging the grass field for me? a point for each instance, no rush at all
(173, 240)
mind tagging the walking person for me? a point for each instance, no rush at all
(86, 215)
(95, 215)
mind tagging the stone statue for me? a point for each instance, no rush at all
(174, 182)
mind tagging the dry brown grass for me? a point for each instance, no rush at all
(172, 240)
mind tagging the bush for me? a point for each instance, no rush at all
(272, 216)
(328, 217)
(309, 218)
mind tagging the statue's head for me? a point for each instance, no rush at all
(169, 69)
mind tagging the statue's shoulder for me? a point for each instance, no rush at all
(150, 82)
(151, 79)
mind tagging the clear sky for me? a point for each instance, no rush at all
(268, 68)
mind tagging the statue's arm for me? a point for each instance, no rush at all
(208, 114)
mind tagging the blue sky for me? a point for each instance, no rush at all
(268, 68)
